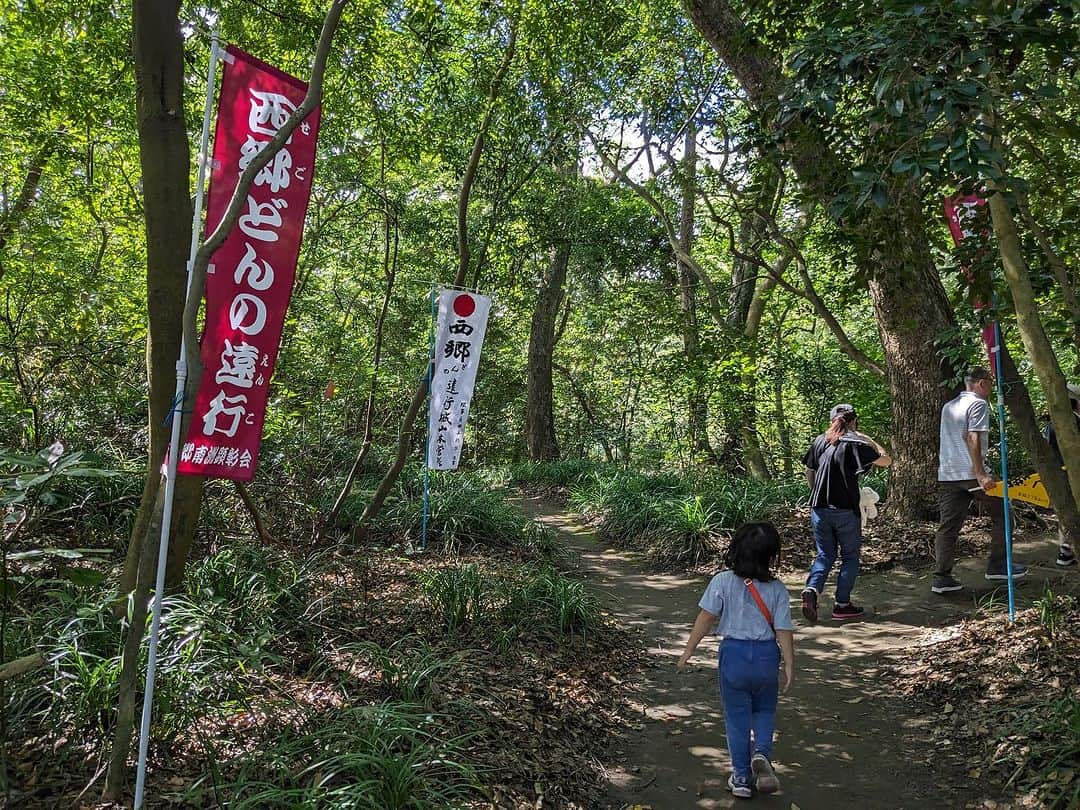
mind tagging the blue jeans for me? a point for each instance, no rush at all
(749, 686)
(836, 531)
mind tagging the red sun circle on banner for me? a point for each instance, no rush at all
(464, 305)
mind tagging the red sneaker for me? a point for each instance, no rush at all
(848, 611)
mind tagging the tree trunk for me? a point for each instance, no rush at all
(127, 687)
(1018, 400)
(697, 401)
(390, 258)
(165, 164)
(752, 233)
(891, 251)
(158, 49)
(598, 431)
(1035, 340)
(539, 399)
(912, 309)
(464, 195)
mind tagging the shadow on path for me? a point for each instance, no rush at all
(840, 741)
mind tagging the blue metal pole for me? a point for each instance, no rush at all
(1004, 469)
(427, 444)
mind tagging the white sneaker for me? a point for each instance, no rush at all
(740, 787)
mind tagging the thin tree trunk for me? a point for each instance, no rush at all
(158, 50)
(464, 194)
(1018, 400)
(783, 429)
(1061, 272)
(14, 216)
(1035, 340)
(753, 230)
(253, 510)
(127, 687)
(587, 412)
(697, 416)
(390, 271)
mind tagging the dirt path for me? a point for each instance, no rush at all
(840, 740)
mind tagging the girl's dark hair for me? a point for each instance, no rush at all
(754, 550)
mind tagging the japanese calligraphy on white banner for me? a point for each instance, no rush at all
(459, 336)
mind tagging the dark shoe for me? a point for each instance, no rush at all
(1019, 571)
(1065, 558)
(848, 611)
(946, 583)
(809, 605)
(764, 777)
(740, 786)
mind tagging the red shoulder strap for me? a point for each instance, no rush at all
(749, 583)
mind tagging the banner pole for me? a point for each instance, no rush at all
(174, 442)
(1004, 470)
(427, 444)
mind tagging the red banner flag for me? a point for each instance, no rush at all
(961, 212)
(250, 278)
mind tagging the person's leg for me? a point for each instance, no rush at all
(735, 682)
(763, 714)
(765, 695)
(995, 508)
(1066, 557)
(825, 542)
(953, 501)
(849, 536)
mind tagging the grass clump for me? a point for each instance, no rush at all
(547, 600)
(386, 757)
(463, 512)
(456, 595)
(463, 597)
(676, 519)
(551, 476)
(408, 667)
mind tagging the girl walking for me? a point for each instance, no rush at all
(749, 608)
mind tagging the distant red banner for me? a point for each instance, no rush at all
(962, 214)
(250, 278)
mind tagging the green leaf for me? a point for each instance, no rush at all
(83, 577)
(879, 195)
(882, 85)
(904, 164)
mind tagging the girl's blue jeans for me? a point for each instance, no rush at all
(749, 687)
(837, 532)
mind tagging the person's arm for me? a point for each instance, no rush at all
(786, 639)
(974, 448)
(704, 623)
(809, 476)
(883, 459)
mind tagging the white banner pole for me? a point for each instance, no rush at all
(174, 441)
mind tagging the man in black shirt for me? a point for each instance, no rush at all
(833, 464)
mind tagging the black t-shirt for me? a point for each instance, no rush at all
(836, 469)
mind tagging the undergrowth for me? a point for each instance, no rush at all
(279, 685)
(677, 520)
(1017, 685)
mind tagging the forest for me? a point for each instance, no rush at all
(703, 228)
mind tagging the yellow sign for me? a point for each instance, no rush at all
(1030, 490)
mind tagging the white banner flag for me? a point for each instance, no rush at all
(458, 339)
